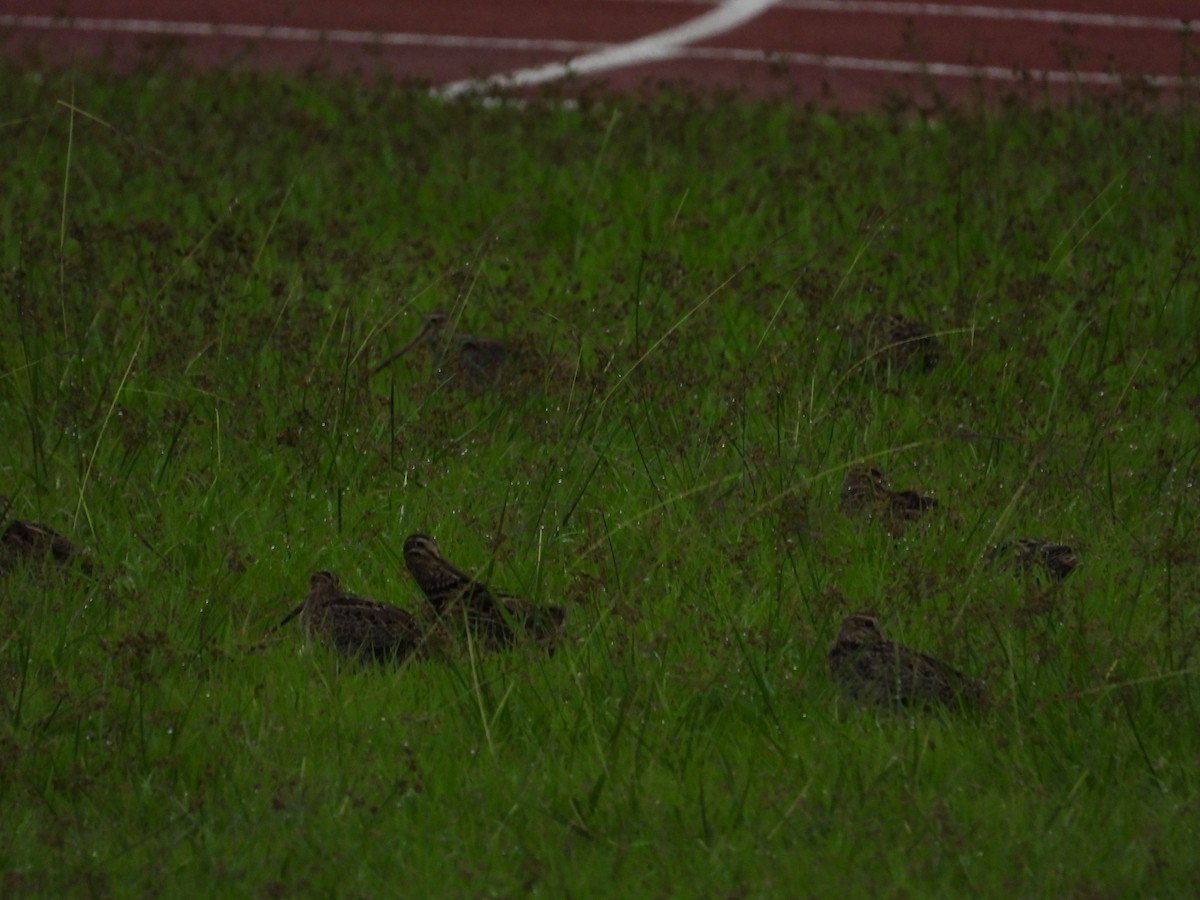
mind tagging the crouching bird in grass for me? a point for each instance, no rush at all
(26, 543)
(873, 670)
(865, 491)
(480, 363)
(475, 360)
(357, 628)
(495, 619)
(1029, 555)
(896, 342)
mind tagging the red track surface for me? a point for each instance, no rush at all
(851, 53)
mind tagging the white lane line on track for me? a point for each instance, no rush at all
(936, 69)
(999, 13)
(288, 33)
(717, 54)
(651, 48)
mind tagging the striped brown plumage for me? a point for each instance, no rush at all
(873, 670)
(494, 618)
(891, 340)
(356, 627)
(27, 542)
(1030, 555)
(476, 360)
(865, 491)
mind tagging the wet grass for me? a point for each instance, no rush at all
(199, 275)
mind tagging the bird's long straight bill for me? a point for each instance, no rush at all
(399, 353)
(291, 615)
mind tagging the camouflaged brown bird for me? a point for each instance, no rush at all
(896, 342)
(873, 670)
(1031, 555)
(356, 627)
(493, 618)
(865, 491)
(26, 542)
(480, 363)
(476, 360)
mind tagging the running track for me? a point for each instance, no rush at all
(851, 53)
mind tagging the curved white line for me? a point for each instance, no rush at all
(717, 54)
(652, 47)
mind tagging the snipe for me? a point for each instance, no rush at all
(26, 542)
(893, 341)
(492, 617)
(357, 628)
(870, 669)
(865, 491)
(477, 360)
(1029, 555)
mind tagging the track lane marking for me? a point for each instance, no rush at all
(292, 34)
(718, 54)
(947, 10)
(939, 70)
(652, 48)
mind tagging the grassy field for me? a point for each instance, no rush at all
(198, 276)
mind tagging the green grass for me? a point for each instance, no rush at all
(198, 274)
